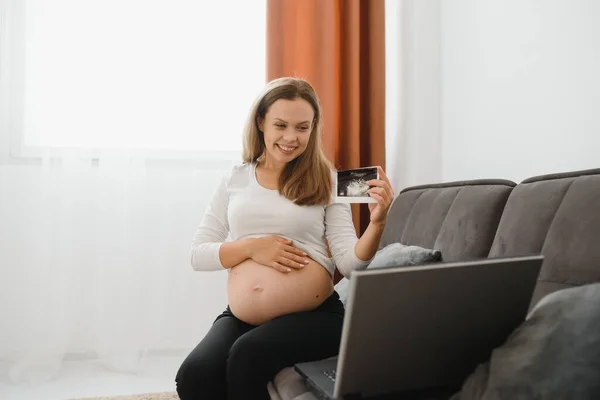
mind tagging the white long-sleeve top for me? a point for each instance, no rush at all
(242, 208)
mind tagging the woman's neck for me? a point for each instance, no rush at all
(271, 166)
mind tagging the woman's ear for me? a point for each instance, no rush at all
(260, 122)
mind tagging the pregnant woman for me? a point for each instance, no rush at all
(269, 224)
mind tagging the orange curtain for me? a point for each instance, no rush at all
(338, 46)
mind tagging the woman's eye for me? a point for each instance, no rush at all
(304, 128)
(280, 126)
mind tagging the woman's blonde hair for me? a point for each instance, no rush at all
(307, 179)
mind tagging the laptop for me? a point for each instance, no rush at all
(413, 328)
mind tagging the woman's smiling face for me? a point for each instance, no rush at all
(286, 130)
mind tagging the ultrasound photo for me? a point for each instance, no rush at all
(352, 185)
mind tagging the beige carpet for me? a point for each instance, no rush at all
(146, 396)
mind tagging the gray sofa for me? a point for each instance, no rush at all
(555, 215)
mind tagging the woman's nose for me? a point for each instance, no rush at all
(290, 135)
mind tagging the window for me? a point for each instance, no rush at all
(160, 75)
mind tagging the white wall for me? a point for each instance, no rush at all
(413, 114)
(520, 87)
(491, 88)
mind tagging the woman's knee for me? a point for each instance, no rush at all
(201, 376)
(248, 356)
(250, 367)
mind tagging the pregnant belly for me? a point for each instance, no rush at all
(257, 293)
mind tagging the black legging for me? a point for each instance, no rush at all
(236, 360)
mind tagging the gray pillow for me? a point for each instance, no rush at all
(393, 255)
(554, 354)
(399, 255)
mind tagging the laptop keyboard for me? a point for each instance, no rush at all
(330, 374)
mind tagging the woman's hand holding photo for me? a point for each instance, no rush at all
(383, 193)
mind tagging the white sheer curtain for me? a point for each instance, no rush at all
(94, 245)
(95, 262)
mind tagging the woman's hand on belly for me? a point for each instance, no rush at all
(277, 253)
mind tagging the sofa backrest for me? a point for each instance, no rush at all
(558, 216)
(458, 218)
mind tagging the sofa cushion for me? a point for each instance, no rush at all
(558, 216)
(554, 354)
(457, 218)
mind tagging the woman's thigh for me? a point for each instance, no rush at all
(285, 341)
(304, 336)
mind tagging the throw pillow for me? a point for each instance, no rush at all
(399, 255)
(554, 354)
(393, 255)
